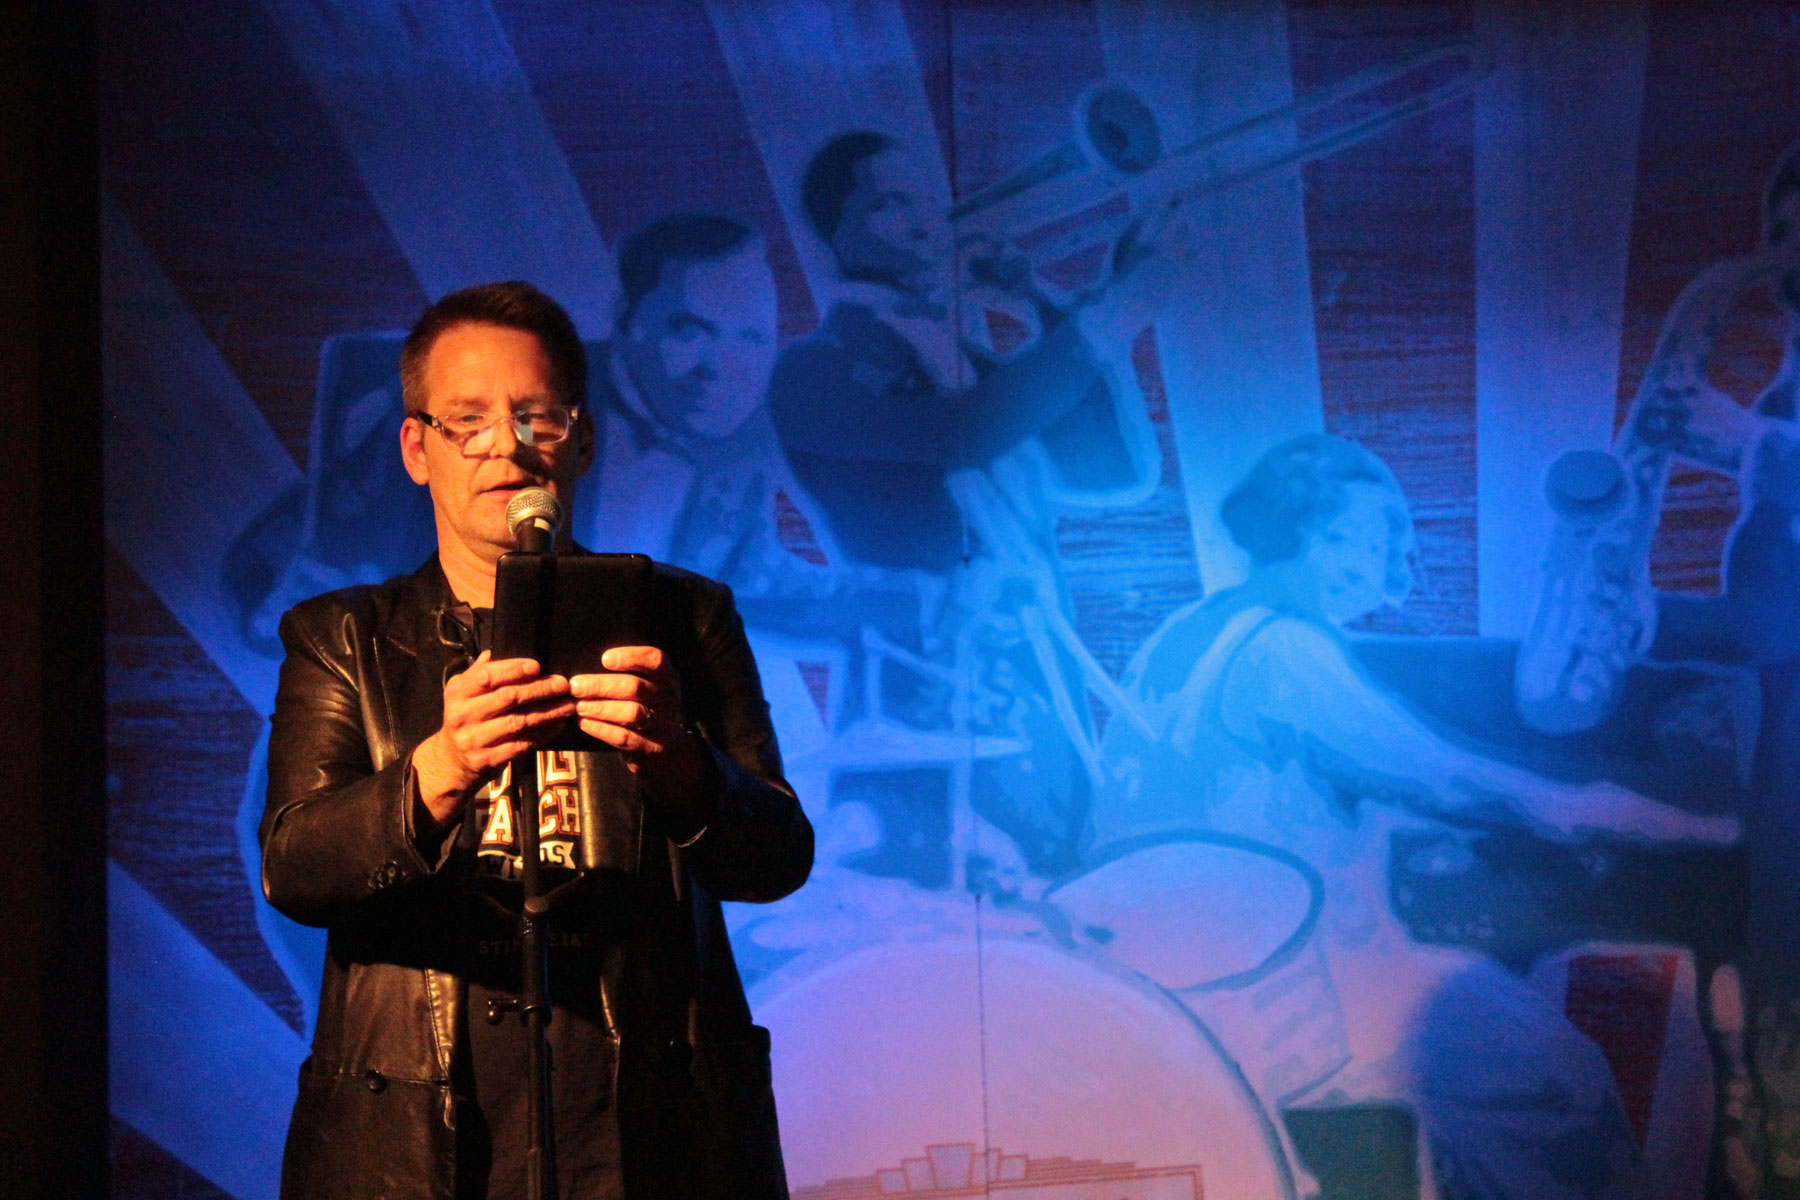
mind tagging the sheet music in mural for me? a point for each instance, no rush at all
(1169, 847)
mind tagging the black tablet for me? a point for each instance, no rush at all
(565, 610)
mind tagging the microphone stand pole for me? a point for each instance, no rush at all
(533, 1005)
(533, 1002)
(534, 528)
(534, 984)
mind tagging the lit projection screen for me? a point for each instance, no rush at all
(1271, 535)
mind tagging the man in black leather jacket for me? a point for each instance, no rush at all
(388, 810)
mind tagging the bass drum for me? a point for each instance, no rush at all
(940, 1051)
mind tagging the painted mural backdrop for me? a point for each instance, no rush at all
(1270, 531)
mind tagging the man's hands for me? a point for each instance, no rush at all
(497, 710)
(635, 705)
(493, 712)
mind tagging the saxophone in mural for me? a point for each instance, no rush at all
(1595, 614)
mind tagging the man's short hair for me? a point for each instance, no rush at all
(510, 305)
(1301, 485)
(683, 237)
(831, 177)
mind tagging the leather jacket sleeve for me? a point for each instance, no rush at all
(757, 844)
(337, 828)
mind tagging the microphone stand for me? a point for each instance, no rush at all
(533, 1003)
(527, 603)
(536, 905)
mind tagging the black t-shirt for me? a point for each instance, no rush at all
(493, 1126)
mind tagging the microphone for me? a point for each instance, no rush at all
(533, 516)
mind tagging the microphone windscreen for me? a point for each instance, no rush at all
(534, 508)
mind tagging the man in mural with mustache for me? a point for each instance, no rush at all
(928, 454)
(690, 471)
(1266, 729)
(391, 823)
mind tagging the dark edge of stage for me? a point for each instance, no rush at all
(53, 1094)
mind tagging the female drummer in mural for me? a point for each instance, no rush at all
(1265, 729)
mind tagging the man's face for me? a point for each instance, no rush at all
(888, 229)
(495, 371)
(701, 345)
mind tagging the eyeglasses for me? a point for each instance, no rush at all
(473, 433)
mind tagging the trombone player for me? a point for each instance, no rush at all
(927, 452)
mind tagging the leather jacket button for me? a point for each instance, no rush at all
(375, 1081)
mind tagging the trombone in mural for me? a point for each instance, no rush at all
(1065, 201)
